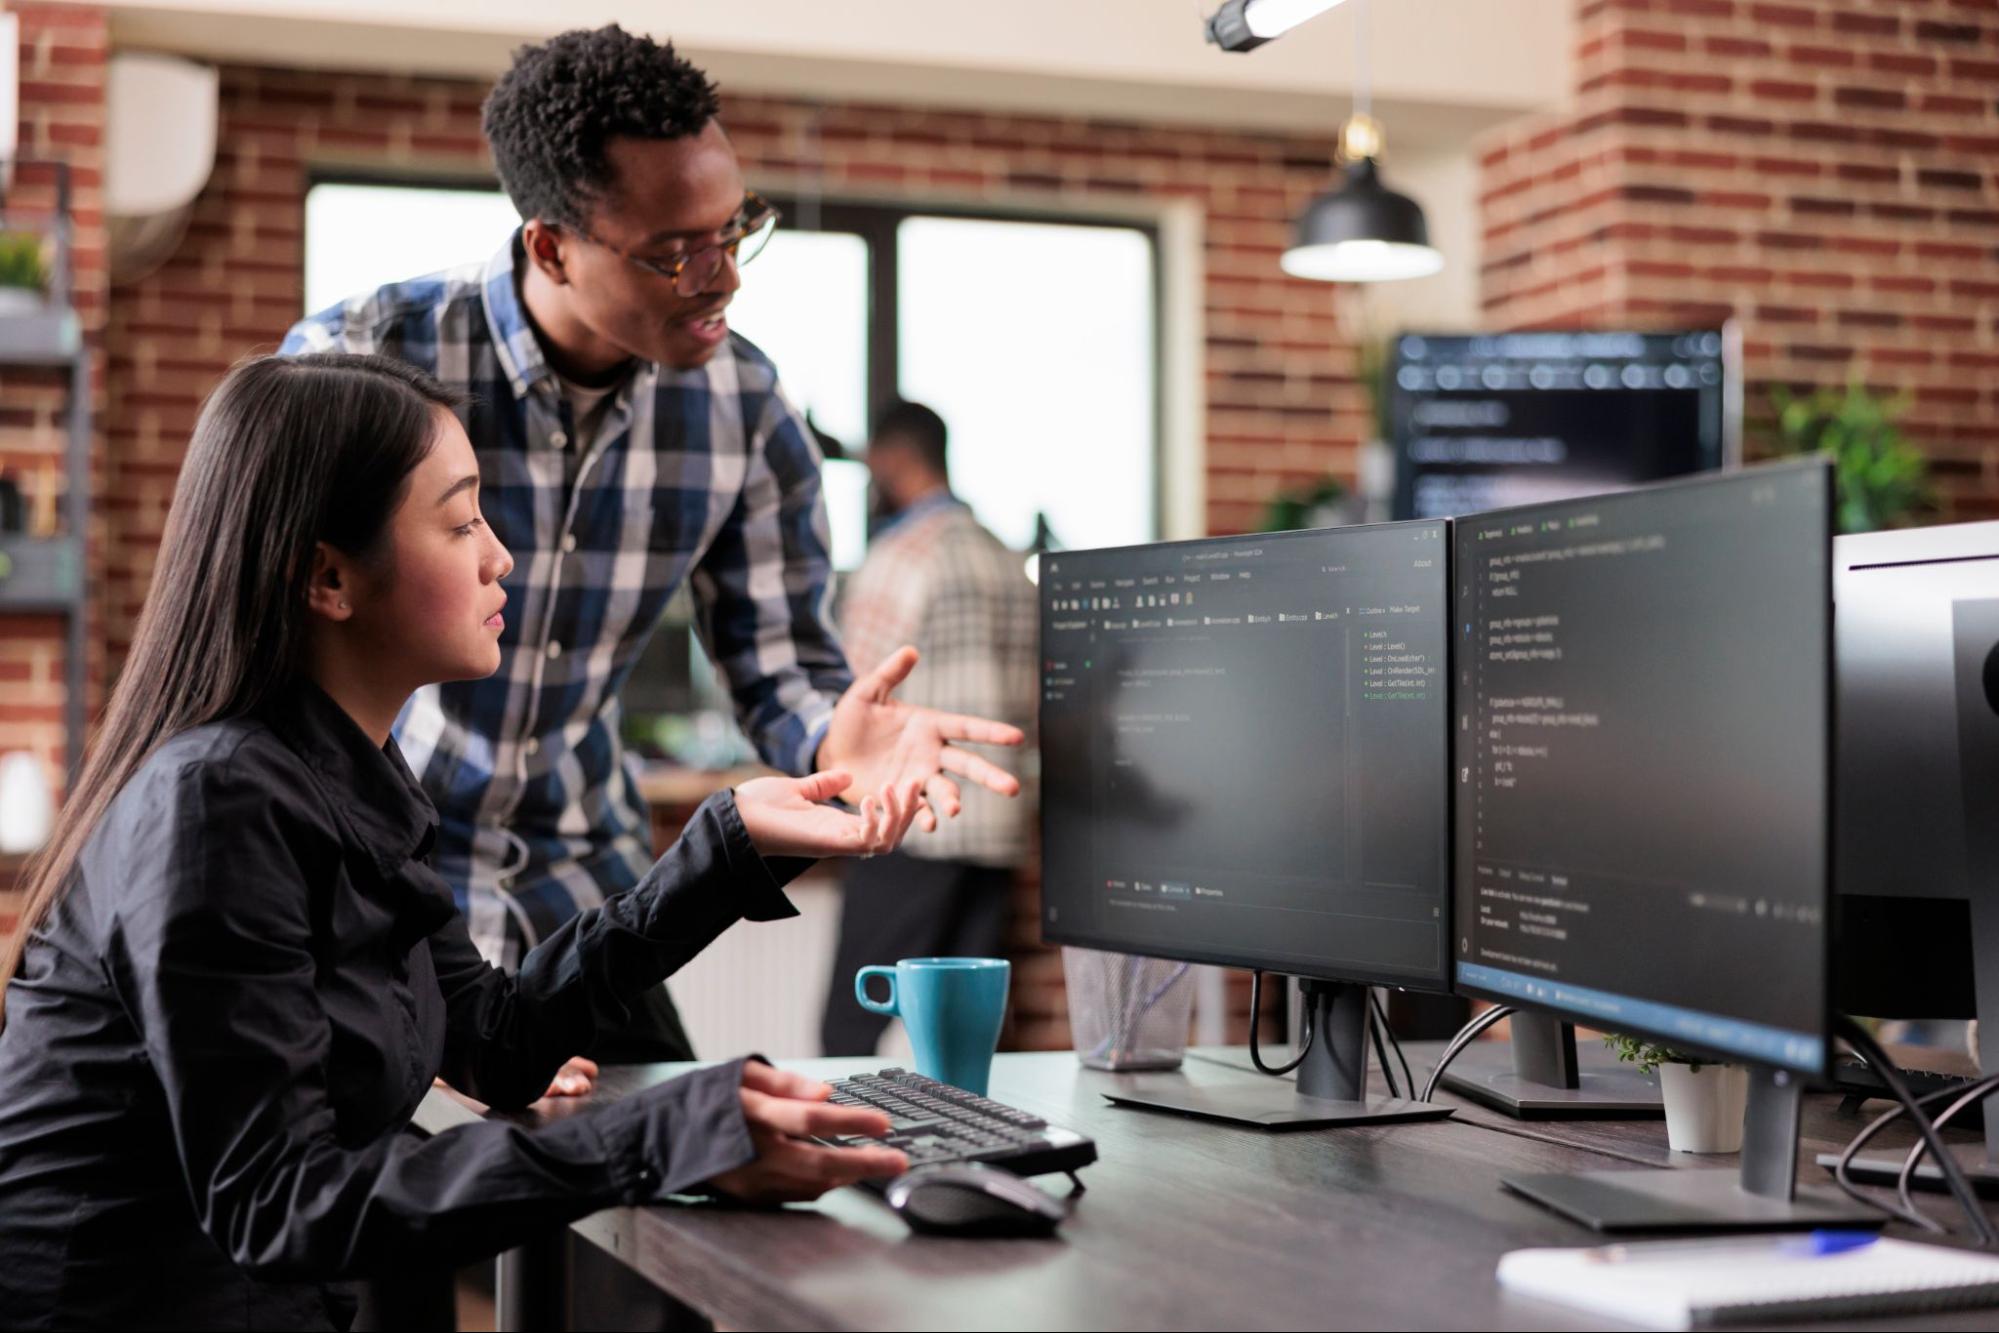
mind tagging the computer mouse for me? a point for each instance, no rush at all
(972, 1199)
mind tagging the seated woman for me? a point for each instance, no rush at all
(236, 976)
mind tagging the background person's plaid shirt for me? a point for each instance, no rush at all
(937, 579)
(707, 476)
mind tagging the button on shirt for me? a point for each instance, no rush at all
(708, 477)
(216, 1039)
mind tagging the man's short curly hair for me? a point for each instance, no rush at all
(551, 115)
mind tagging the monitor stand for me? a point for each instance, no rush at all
(1540, 1075)
(1764, 1196)
(1331, 1087)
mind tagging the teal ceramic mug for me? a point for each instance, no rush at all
(952, 1008)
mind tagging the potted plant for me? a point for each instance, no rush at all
(1883, 477)
(1705, 1100)
(22, 272)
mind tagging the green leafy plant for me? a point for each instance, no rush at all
(1883, 477)
(1305, 506)
(21, 260)
(1648, 1056)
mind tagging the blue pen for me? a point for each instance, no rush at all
(1815, 1245)
(1821, 1243)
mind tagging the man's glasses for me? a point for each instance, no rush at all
(691, 271)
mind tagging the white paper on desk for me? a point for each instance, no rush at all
(1712, 1286)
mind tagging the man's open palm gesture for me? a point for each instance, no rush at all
(885, 743)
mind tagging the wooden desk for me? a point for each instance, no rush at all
(1186, 1224)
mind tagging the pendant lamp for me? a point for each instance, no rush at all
(1363, 231)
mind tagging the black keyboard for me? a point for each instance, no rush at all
(935, 1123)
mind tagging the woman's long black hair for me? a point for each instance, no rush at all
(288, 452)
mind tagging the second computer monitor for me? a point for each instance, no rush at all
(1482, 421)
(1644, 755)
(1244, 752)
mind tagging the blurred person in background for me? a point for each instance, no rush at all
(936, 579)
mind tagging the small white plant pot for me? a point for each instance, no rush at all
(15, 301)
(1704, 1106)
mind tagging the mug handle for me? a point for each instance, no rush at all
(861, 979)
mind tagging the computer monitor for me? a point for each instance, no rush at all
(1643, 693)
(1917, 913)
(1245, 761)
(1484, 421)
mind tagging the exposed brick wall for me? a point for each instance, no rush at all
(1825, 171)
(62, 63)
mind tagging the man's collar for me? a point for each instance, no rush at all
(513, 329)
(507, 319)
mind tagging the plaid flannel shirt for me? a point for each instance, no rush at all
(935, 578)
(708, 476)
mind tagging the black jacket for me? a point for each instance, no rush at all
(215, 1042)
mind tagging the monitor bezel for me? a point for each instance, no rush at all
(1741, 477)
(1439, 983)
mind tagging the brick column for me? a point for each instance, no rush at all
(1823, 171)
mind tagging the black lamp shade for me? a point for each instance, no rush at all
(1362, 232)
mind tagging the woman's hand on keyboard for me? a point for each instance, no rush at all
(784, 1110)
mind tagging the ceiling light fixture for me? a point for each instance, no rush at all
(1244, 25)
(1363, 231)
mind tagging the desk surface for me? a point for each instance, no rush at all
(1186, 1224)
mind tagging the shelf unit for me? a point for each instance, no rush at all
(45, 575)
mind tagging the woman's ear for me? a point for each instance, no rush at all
(332, 580)
(544, 250)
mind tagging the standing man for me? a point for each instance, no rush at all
(934, 578)
(628, 442)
